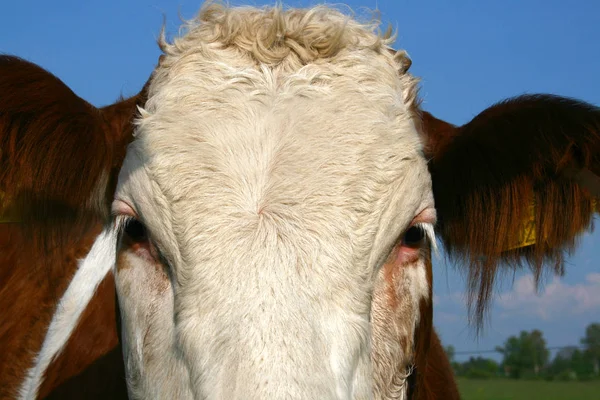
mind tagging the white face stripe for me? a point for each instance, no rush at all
(92, 270)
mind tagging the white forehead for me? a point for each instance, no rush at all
(256, 117)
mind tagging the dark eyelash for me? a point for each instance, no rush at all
(120, 222)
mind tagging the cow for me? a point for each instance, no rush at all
(258, 221)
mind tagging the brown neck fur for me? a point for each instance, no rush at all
(432, 377)
(58, 162)
(59, 157)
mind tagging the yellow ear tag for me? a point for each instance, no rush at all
(527, 234)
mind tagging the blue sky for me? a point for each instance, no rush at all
(468, 53)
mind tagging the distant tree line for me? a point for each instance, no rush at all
(527, 356)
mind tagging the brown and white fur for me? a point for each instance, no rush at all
(279, 166)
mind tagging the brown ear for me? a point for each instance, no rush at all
(58, 152)
(514, 186)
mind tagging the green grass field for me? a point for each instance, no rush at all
(501, 389)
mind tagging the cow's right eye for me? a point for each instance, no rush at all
(136, 238)
(135, 230)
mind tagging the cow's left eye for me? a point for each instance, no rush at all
(414, 236)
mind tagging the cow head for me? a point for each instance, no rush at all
(275, 211)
